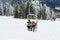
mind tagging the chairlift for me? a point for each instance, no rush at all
(33, 16)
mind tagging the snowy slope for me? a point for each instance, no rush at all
(15, 29)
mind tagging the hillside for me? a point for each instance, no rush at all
(15, 29)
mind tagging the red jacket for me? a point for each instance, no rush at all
(33, 23)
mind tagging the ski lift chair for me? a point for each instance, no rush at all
(31, 16)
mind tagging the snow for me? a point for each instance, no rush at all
(15, 29)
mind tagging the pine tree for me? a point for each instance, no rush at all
(16, 12)
(32, 9)
(23, 10)
(42, 14)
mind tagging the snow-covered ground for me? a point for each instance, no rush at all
(15, 29)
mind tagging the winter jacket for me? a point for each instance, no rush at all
(33, 23)
(28, 24)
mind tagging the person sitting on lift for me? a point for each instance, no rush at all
(29, 25)
(33, 26)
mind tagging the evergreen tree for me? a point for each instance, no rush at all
(16, 12)
(42, 14)
(32, 9)
(23, 10)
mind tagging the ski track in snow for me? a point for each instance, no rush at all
(15, 29)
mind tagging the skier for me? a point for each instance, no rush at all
(29, 25)
(33, 26)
